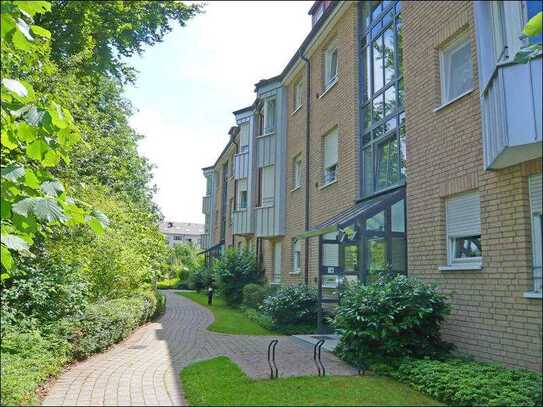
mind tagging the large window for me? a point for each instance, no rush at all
(537, 228)
(330, 66)
(244, 137)
(298, 95)
(463, 218)
(242, 194)
(330, 157)
(297, 172)
(269, 116)
(296, 257)
(383, 121)
(266, 186)
(276, 277)
(456, 70)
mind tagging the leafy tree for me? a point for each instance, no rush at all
(94, 37)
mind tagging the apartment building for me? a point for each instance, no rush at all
(402, 137)
(183, 232)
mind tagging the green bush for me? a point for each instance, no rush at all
(393, 317)
(201, 278)
(254, 294)
(292, 305)
(460, 382)
(234, 270)
(168, 284)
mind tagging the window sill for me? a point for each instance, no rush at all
(264, 207)
(327, 185)
(271, 133)
(328, 87)
(295, 189)
(294, 272)
(533, 295)
(296, 110)
(240, 210)
(461, 267)
(453, 100)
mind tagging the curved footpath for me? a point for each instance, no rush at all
(144, 369)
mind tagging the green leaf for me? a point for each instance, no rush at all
(7, 24)
(33, 116)
(31, 180)
(14, 242)
(104, 220)
(26, 133)
(33, 7)
(13, 172)
(40, 31)
(24, 28)
(52, 158)
(15, 87)
(6, 259)
(47, 209)
(52, 188)
(57, 116)
(67, 137)
(20, 41)
(25, 224)
(23, 207)
(95, 225)
(534, 26)
(5, 209)
(37, 149)
(8, 141)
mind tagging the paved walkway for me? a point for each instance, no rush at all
(144, 369)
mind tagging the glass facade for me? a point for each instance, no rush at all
(382, 108)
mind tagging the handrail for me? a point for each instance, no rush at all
(317, 358)
(274, 374)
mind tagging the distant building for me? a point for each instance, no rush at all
(182, 232)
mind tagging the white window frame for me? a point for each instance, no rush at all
(296, 257)
(269, 128)
(445, 77)
(298, 95)
(239, 192)
(297, 172)
(244, 135)
(267, 200)
(535, 215)
(452, 238)
(330, 79)
(329, 174)
(276, 274)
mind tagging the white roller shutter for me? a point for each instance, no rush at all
(267, 184)
(330, 148)
(534, 185)
(464, 215)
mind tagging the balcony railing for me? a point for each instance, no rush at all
(265, 222)
(241, 165)
(241, 222)
(265, 150)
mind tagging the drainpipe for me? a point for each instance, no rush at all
(233, 132)
(307, 134)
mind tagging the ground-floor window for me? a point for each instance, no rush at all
(537, 228)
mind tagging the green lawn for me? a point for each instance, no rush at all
(228, 320)
(220, 382)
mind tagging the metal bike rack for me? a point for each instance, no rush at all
(271, 359)
(317, 357)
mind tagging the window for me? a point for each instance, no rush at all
(297, 172)
(266, 186)
(208, 185)
(178, 237)
(383, 159)
(456, 70)
(296, 257)
(297, 95)
(330, 66)
(534, 183)
(276, 277)
(463, 217)
(242, 194)
(330, 157)
(244, 138)
(269, 116)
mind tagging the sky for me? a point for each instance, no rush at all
(189, 85)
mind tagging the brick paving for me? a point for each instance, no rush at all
(144, 369)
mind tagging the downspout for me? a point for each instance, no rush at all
(234, 131)
(307, 144)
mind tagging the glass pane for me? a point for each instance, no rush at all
(376, 258)
(368, 171)
(387, 163)
(401, 93)
(378, 131)
(378, 107)
(367, 116)
(376, 222)
(398, 255)
(366, 138)
(378, 8)
(390, 100)
(403, 152)
(466, 247)
(390, 125)
(378, 64)
(388, 50)
(399, 45)
(460, 79)
(365, 87)
(350, 264)
(398, 217)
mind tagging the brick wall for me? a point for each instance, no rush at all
(336, 108)
(490, 318)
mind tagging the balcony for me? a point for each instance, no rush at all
(206, 204)
(265, 221)
(241, 165)
(241, 222)
(265, 150)
(511, 115)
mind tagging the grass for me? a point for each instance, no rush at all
(228, 320)
(220, 381)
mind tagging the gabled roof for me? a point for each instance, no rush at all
(181, 228)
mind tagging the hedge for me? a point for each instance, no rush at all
(30, 358)
(460, 382)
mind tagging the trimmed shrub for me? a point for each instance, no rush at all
(467, 383)
(393, 317)
(234, 270)
(200, 279)
(292, 305)
(254, 294)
